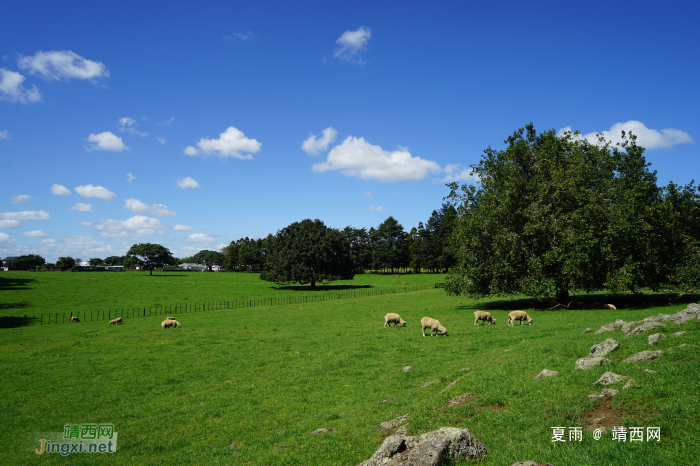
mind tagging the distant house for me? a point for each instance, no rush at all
(7, 261)
(115, 268)
(199, 267)
(83, 264)
(217, 268)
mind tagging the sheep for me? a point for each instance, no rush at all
(395, 318)
(170, 323)
(519, 315)
(117, 321)
(74, 319)
(433, 325)
(610, 306)
(170, 318)
(485, 316)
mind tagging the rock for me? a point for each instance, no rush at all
(407, 368)
(464, 369)
(588, 330)
(654, 339)
(606, 328)
(452, 384)
(232, 447)
(429, 449)
(659, 318)
(530, 463)
(629, 384)
(427, 384)
(685, 344)
(619, 323)
(644, 356)
(627, 328)
(610, 378)
(604, 347)
(678, 334)
(388, 425)
(322, 431)
(649, 371)
(646, 326)
(459, 401)
(545, 373)
(591, 362)
(602, 394)
(401, 430)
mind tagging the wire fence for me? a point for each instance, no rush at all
(173, 309)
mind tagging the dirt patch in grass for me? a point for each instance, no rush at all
(460, 400)
(604, 416)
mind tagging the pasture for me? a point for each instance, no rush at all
(264, 379)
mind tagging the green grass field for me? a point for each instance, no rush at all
(58, 292)
(266, 378)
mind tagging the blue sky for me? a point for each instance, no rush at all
(191, 124)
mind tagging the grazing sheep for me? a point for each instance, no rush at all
(74, 319)
(395, 318)
(170, 323)
(170, 318)
(519, 315)
(117, 321)
(433, 325)
(610, 306)
(485, 316)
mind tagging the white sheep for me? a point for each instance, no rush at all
(74, 319)
(485, 316)
(117, 321)
(170, 323)
(519, 315)
(610, 306)
(433, 325)
(395, 318)
(170, 318)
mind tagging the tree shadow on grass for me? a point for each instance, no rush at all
(322, 288)
(626, 301)
(9, 284)
(15, 320)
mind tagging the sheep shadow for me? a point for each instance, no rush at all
(626, 301)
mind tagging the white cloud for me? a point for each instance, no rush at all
(81, 207)
(11, 88)
(240, 35)
(187, 182)
(63, 65)
(37, 233)
(200, 238)
(4, 237)
(128, 125)
(231, 143)
(358, 158)
(130, 228)
(21, 199)
(9, 223)
(166, 122)
(161, 140)
(377, 208)
(95, 191)
(351, 43)
(455, 172)
(313, 145)
(4, 134)
(25, 215)
(106, 141)
(368, 194)
(138, 207)
(60, 190)
(181, 227)
(85, 224)
(646, 137)
(130, 177)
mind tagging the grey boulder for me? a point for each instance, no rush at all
(610, 378)
(429, 449)
(646, 326)
(644, 356)
(545, 373)
(591, 362)
(654, 339)
(604, 347)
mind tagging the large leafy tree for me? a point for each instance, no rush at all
(359, 247)
(308, 252)
(114, 260)
(65, 263)
(556, 213)
(151, 256)
(209, 258)
(390, 245)
(28, 262)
